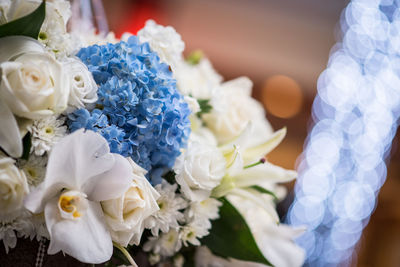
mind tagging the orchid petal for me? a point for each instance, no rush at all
(37, 198)
(10, 137)
(112, 183)
(78, 157)
(253, 154)
(13, 46)
(85, 238)
(263, 172)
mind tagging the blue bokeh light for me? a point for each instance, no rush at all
(355, 116)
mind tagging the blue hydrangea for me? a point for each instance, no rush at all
(139, 109)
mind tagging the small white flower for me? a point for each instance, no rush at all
(191, 232)
(19, 225)
(203, 211)
(199, 169)
(165, 245)
(46, 133)
(178, 261)
(34, 169)
(163, 40)
(169, 214)
(154, 258)
(125, 215)
(39, 224)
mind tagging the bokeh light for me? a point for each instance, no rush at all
(282, 96)
(355, 118)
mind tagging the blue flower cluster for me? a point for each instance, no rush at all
(139, 109)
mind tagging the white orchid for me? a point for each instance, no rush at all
(81, 172)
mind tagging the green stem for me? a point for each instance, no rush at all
(261, 161)
(126, 254)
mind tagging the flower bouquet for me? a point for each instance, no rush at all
(110, 148)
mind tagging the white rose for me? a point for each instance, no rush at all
(199, 169)
(163, 40)
(32, 85)
(234, 109)
(125, 215)
(13, 186)
(83, 88)
(199, 81)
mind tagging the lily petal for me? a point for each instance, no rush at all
(85, 239)
(10, 137)
(277, 245)
(263, 172)
(240, 141)
(257, 199)
(253, 154)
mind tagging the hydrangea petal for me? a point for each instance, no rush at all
(140, 111)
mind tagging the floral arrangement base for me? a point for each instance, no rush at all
(26, 254)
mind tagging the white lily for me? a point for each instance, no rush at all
(247, 167)
(81, 172)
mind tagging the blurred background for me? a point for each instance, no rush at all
(283, 46)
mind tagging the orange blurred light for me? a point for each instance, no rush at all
(282, 96)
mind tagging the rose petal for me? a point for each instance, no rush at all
(13, 46)
(10, 137)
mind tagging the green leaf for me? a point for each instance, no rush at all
(231, 237)
(28, 25)
(27, 143)
(205, 106)
(264, 191)
(170, 177)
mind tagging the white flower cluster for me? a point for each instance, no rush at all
(69, 187)
(179, 220)
(225, 156)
